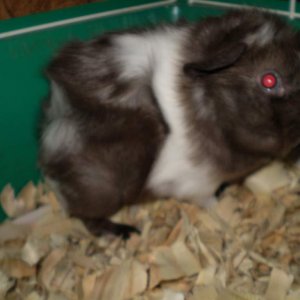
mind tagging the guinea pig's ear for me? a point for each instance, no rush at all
(219, 59)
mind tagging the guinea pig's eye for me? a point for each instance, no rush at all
(270, 82)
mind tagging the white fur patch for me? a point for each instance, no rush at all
(140, 55)
(262, 36)
(175, 175)
(158, 55)
(61, 135)
(58, 102)
(134, 52)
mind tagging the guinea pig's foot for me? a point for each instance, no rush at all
(101, 226)
(125, 231)
(221, 189)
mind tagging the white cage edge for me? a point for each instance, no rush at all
(291, 13)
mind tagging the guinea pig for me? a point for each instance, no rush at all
(176, 110)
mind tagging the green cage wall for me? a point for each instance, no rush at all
(28, 43)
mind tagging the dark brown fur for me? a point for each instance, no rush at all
(113, 165)
(120, 143)
(233, 123)
(244, 127)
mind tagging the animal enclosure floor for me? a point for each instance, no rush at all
(245, 247)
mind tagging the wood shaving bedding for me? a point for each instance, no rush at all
(245, 247)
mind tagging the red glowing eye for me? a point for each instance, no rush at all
(269, 81)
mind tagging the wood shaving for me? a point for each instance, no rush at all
(246, 247)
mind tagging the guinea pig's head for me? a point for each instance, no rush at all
(242, 73)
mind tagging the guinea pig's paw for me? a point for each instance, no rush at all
(104, 226)
(221, 189)
(125, 231)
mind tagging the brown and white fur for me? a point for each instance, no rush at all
(176, 110)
